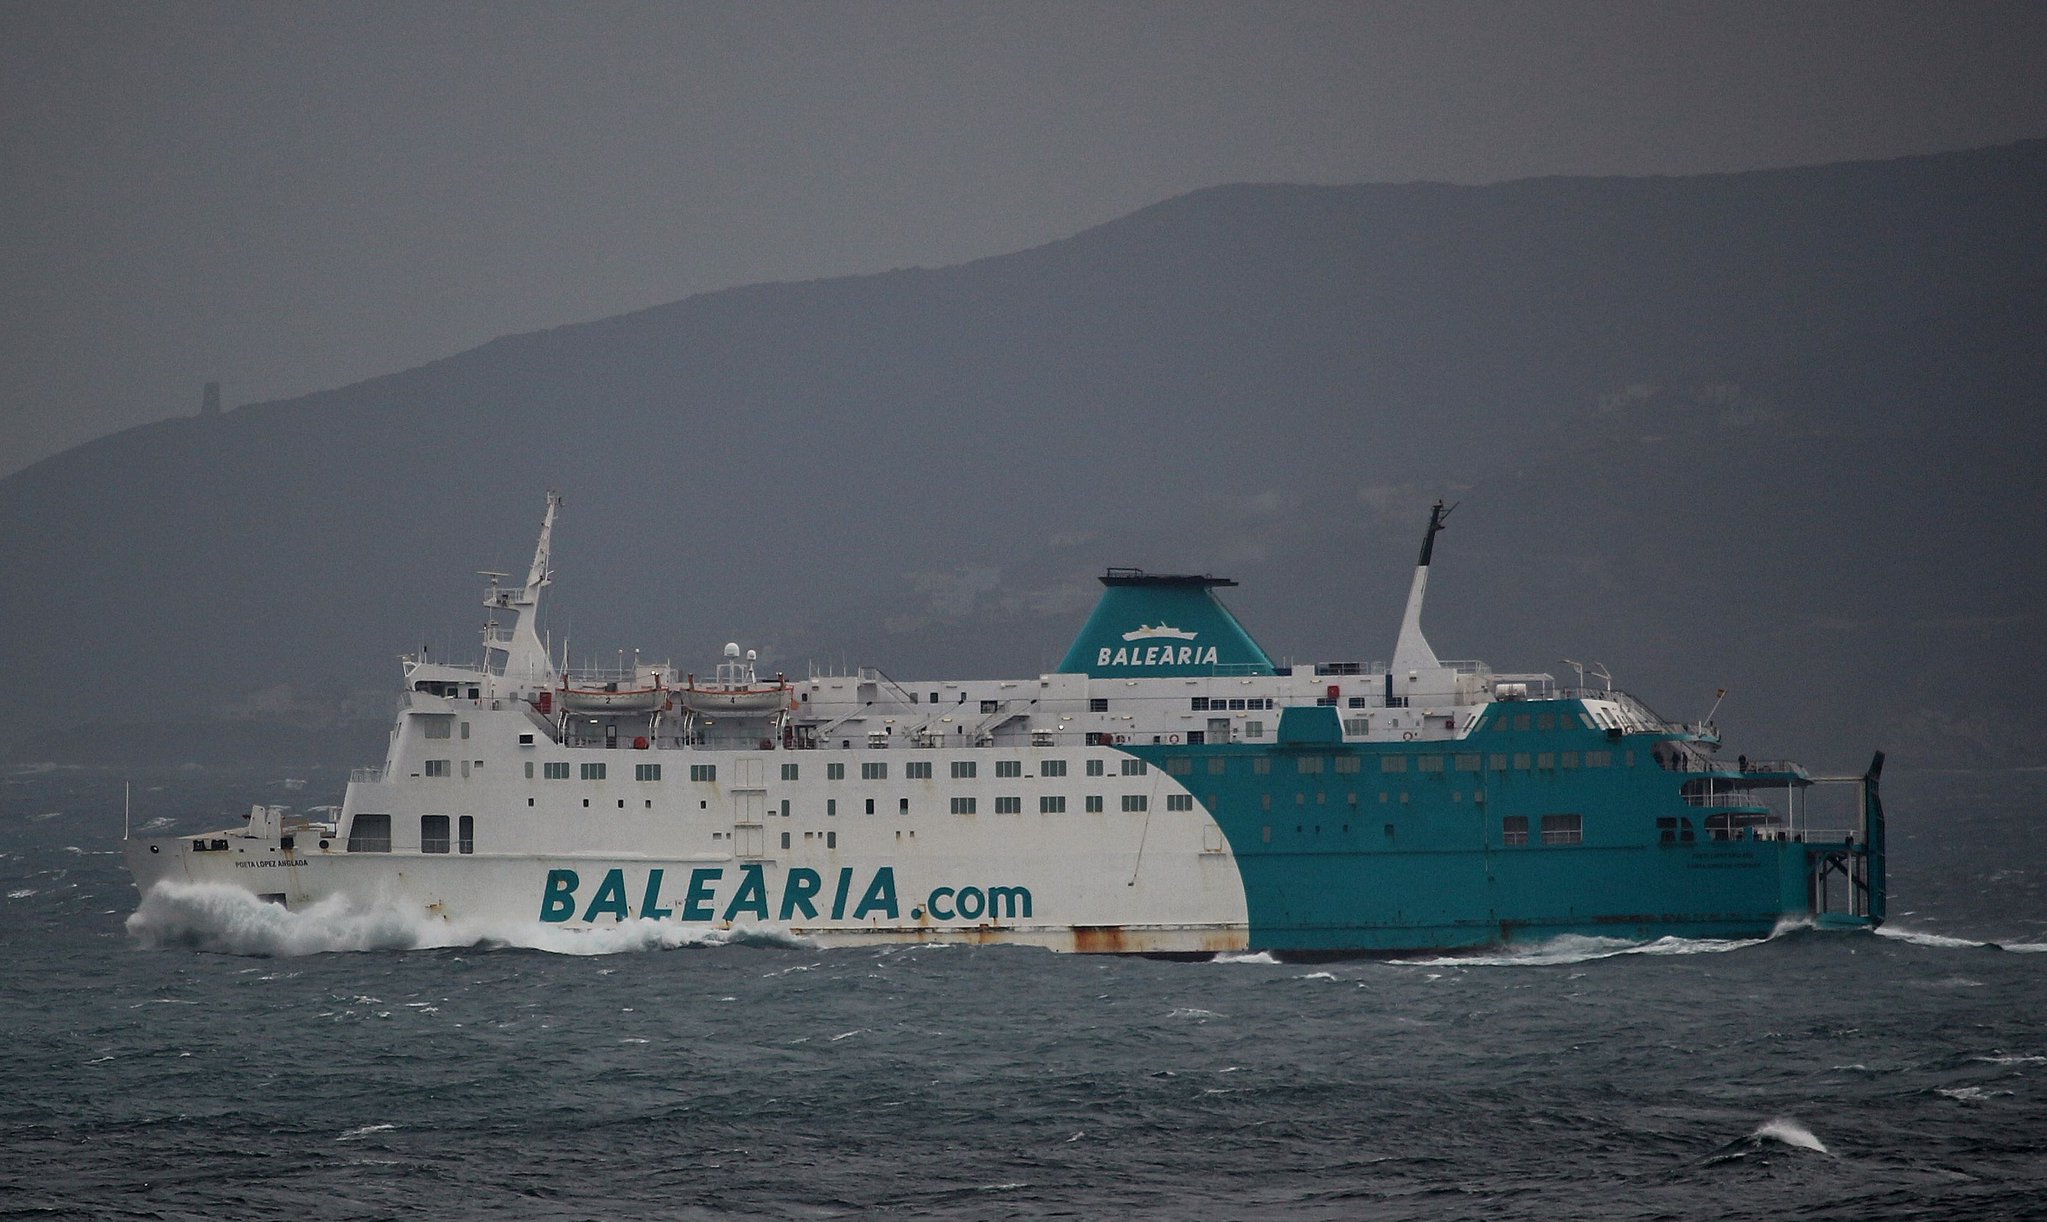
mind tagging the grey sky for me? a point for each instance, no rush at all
(291, 197)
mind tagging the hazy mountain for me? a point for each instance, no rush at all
(1776, 432)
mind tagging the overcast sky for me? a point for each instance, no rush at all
(288, 197)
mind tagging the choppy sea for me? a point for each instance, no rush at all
(222, 1059)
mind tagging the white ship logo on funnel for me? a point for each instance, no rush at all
(1146, 633)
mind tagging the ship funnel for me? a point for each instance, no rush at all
(1411, 652)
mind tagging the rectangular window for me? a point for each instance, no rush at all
(1498, 763)
(1468, 763)
(920, 771)
(1218, 766)
(1133, 767)
(433, 833)
(1008, 768)
(437, 727)
(529, 770)
(370, 834)
(831, 840)
(466, 843)
(1254, 729)
(1235, 704)
(1356, 702)
(963, 769)
(1523, 761)
(1051, 805)
(1261, 765)
(440, 768)
(1179, 801)
(1348, 763)
(1094, 804)
(962, 806)
(555, 772)
(465, 729)
(1429, 763)
(1545, 721)
(1569, 759)
(834, 772)
(789, 772)
(592, 772)
(1599, 759)
(1545, 761)
(1393, 763)
(1094, 767)
(1308, 763)
(874, 772)
(1180, 765)
(1135, 802)
(1052, 768)
(646, 772)
(831, 808)
(1521, 721)
(1514, 829)
(988, 706)
(1009, 806)
(1199, 704)
(1098, 704)
(1563, 829)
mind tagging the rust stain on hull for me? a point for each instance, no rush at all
(1101, 940)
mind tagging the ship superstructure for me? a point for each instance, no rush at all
(1168, 789)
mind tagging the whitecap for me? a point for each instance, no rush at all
(1263, 957)
(365, 1131)
(1920, 938)
(1191, 1012)
(1791, 1133)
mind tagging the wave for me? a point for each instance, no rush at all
(1942, 941)
(1779, 1132)
(224, 919)
(1263, 958)
(1582, 948)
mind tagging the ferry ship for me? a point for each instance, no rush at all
(1167, 790)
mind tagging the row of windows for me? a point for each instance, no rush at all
(372, 834)
(1539, 721)
(872, 771)
(1217, 704)
(1555, 829)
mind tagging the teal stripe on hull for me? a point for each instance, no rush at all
(1391, 847)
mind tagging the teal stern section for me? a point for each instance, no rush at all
(1154, 625)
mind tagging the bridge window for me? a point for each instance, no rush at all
(919, 771)
(370, 834)
(1563, 829)
(874, 772)
(1008, 767)
(466, 843)
(1052, 804)
(433, 833)
(1514, 829)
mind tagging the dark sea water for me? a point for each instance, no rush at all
(229, 1061)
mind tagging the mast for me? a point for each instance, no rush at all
(1411, 652)
(525, 664)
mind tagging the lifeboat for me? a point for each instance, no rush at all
(610, 696)
(736, 692)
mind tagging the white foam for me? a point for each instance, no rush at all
(1580, 948)
(1921, 938)
(365, 1131)
(1262, 957)
(1790, 1133)
(221, 918)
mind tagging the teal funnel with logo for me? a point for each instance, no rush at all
(1159, 625)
